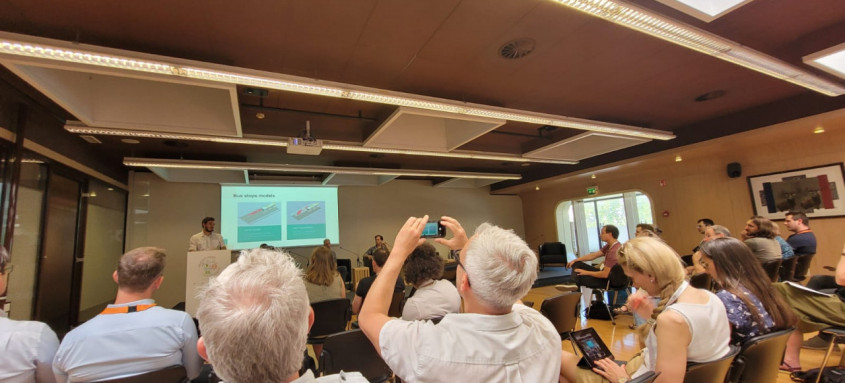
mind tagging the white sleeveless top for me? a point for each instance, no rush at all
(708, 324)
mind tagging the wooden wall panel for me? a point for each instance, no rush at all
(699, 186)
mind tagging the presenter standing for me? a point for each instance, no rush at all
(207, 239)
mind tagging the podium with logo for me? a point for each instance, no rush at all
(200, 267)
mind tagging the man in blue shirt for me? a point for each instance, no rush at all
(803, 242)
(133, 336)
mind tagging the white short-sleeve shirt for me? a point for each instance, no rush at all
(521, 346)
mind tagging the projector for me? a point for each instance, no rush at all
(311, 147)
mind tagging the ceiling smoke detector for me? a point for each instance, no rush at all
(516, 49)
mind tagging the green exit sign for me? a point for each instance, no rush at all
(592, 190)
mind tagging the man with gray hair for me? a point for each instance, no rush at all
(133, 336)
(716, 231)
(28, 346)
(255, 318)
(496, 339)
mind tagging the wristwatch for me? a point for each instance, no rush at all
(622, 379)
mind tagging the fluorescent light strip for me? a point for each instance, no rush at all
(636, 18)
(310, 86)
(266, 142)
(284, 168)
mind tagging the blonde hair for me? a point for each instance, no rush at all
(321, 269)
(653, 257)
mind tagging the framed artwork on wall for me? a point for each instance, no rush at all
(816, 191)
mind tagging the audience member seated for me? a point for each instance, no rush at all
(433, 297)
(322, 280)
(701, 225)
(379, 258)
(255, 318)
(340, 269)
(589, 277)
(802, 241)
(785, 249)
(710, 233)
(753, 307)
(644, 229)
(497, 339)
(759, 236)
(689, 325)
(133, 336)
(815, 312)
(28, 347)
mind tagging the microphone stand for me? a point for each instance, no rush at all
(357, 256)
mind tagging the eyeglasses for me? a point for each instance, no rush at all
(704, 264)
(458, 259)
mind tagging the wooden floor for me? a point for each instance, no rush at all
(623, 342)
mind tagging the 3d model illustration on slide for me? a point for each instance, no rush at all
(258, 214)
(306, 211)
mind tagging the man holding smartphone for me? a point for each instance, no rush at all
(497, 338)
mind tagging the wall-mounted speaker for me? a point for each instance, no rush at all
(734, 170)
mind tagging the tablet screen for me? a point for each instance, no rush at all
(591, 346)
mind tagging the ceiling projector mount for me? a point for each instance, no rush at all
(306, 144)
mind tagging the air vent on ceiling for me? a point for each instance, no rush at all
(90, 139)
(516, 49)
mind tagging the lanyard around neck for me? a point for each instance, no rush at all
(126, 309)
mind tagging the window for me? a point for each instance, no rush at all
(580, 221)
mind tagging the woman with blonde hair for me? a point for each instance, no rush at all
(687, 324)
(322, 280)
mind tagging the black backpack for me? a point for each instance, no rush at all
(829, 375)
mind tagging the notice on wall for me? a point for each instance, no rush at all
(202, 266)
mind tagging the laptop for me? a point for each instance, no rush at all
(591, 346)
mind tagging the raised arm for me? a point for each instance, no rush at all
(373, 314)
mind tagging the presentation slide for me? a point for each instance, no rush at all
(281, 216)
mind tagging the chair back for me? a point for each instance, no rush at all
(172, 374)
(552, 248)
(395, 309)
(616, 278)
(772, 269)
(787, 269)
(330, 316)
(352, 351)
(711, 372)
(802, 265)
(759, 358)
(562, 311)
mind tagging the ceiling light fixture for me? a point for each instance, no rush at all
(818, 130)
(81, 129)
(676, 32)
(287, 168)
(706, 10)
(678, 158)
(831, 60)
(22, 46)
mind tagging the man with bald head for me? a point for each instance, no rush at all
(133, 336)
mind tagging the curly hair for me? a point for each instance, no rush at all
(765, 227)
(423, 264)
